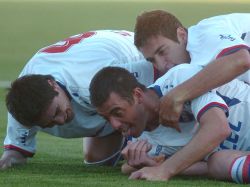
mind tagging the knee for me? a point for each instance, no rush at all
(91, 156)
(218, 166)
(212, 166)
(88, 157)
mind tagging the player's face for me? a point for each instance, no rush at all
(59, 111)
(124, 116)
(164, 53)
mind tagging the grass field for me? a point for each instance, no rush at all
(29, 26)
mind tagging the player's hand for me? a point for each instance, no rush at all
(155, 173)
(10, 158)
(4, 164)
(136, 154)
(170, 110)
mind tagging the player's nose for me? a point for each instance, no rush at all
(116, 123)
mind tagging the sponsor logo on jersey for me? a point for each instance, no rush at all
(23, 135)
(226, 37)
(135, 74)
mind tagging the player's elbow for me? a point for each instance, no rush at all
(224, 130)
(243, 58)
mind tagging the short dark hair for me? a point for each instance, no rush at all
(112, 79)
(28, 97)
(156, 22)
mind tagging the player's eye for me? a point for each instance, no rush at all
(152, 60)
(163, 52)
(117, 113)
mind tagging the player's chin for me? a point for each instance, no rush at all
(134, 133)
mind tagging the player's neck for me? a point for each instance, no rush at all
(152, 105)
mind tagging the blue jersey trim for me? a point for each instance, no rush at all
(228, 101)
(157, 90)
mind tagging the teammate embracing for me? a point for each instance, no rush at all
(52, 95)
(214, 126)
(220, 44)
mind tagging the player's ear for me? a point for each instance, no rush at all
(138, 95)
(182, 35)
(53, 84)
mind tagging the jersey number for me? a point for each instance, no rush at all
(67, 43)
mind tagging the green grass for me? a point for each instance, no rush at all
(28, 26)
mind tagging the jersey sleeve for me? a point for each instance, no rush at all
(178, 75)
(20, 138)
(174, 77)
(217, 36)
(203, 103)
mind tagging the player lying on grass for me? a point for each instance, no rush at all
(52, 95)
(131, 108)
(138, 154)
(220, 43)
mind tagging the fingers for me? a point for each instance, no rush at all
(136, 175)
(169, 117)
(149, 173)
(136, 154)
(124, 152)
(159, 159)
(169, 122)
(170, 112)
(4, 164)
(149, 147)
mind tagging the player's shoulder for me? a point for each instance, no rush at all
(182, 69)
(178, 74)
(113, 33)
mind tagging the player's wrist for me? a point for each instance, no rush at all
(177, 96)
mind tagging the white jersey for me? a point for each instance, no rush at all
(73, 62)
(219, 36)
(233, 98)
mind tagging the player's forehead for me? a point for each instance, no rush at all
(152, 44)
(113, 102)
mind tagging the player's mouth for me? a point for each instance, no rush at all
(130, 131)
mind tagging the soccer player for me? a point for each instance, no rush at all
(131, 108)
(51, 95)
(220, 43)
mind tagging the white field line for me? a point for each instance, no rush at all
(174, 1)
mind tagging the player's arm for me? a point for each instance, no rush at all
(136, 156)
(219, 72)
(213, 130)
(197, 169)
(19, 144)
(10, 158)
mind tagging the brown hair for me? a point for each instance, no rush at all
(153, 23)
(28, 97)
(112, 79)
